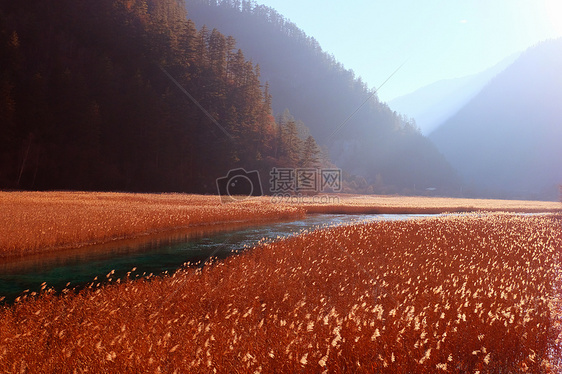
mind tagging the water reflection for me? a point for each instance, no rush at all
(155, 254)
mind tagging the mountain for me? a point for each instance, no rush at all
(432, 105)
(506, 141)
(362, 135)
(129, 95)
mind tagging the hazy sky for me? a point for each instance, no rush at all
(438, 39)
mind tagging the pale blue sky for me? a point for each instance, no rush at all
(439, 39)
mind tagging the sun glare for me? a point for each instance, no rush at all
(554, 13)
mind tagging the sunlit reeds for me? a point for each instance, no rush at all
(465, 294)
(375, 204)
(36, 221)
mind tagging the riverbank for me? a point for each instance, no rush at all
(36, 222)
(460, 294)
(375, 204)
(39, 222)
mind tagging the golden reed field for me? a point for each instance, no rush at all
(476, 293)
(35, 222)
(375, 204)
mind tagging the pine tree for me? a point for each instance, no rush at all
(218, 53)
(291, 144)
(202, 42)
(230, 53)
(268, 100)
(310, 153)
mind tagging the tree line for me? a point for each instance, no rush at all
(365, 137)
(130, 95)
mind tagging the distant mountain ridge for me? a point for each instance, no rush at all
(433, 105)
(376, 142)
(506, 142)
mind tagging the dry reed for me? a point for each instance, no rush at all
(373, 204)
(467, 294)
(34, 222)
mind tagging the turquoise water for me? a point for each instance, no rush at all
(79, 267)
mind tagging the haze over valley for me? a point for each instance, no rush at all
(110, 112)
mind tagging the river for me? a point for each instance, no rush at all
(156, 254)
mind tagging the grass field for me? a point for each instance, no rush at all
(459, 294)
(373, 204)
(35, 222)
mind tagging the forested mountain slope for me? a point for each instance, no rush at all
(94, 96)
(90, 99)
(375, 142)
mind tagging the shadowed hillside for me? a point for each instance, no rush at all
(129, 95)
(91, 98)
(384, 147)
